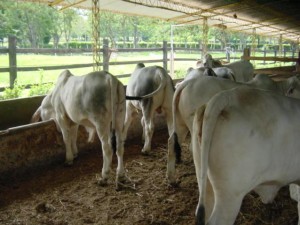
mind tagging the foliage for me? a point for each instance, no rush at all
(41, 88)
(10, 93)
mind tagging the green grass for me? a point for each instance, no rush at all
(33, 77)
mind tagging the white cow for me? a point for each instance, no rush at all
(220, 72)
(197, 91)
(95, 101)
(243, 70)
(244, 139)
(156, 88)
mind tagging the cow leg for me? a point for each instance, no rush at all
(143, 126)
(181, 133)
(121, 178)
(267, 193)
(130, 114)
(67, 126)
(149, 129)
(73, 133)
(226, 208)
(103, 132)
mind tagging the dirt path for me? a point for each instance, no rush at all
(69, 195)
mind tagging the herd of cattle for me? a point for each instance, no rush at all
(245, 129)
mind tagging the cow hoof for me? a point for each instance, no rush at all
(69, 163)
(145, 153)
(173, 184)
(124, 182)
(102, 182)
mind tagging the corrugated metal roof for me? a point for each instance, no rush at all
(267, 17)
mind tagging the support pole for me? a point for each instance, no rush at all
(165, 55)
(172, 53)
(12, 54)
(253, 42)
(280, 47)
(106, 55)
(96, 34)
(204, 37)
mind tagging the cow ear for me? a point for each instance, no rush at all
(140, 65)
(189, 69)
(199, 63)
(36, 116)
(290, 91)
(209, 72)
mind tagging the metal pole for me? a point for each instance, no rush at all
(253, 44)
(204, 37)
(96, 34)
(165, 55)
(172, 54)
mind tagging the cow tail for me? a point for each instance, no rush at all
(233, 76)
(162, 84)
(203, 127)
(36, 116)
(114, 91)
(174, 136)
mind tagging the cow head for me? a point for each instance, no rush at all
(45, 111)
(293, 87)
(209, 72)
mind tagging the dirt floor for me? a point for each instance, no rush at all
(61, 195)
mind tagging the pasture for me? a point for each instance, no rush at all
(59, 195)
(34, 77)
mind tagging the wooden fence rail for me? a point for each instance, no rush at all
(12, 52)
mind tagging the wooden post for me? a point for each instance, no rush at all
(280, 50)
(265, 54)
(165, 55)
(12, 54)
(253, 42)
(246, 53)
(298, 63)
(105, 55)
(227, 53)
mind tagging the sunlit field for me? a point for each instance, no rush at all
(35, 77)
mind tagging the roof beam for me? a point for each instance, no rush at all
(55, 2)
(73, 4)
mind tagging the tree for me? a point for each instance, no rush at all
(68, 17)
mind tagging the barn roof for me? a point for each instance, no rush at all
(268, 17)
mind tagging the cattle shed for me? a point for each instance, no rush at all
(35, 186)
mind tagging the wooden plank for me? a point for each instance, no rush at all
(53, 51)
(279, 59)
(71, 66)
(3, 50)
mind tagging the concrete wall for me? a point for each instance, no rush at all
(18, 112)
(30, 146)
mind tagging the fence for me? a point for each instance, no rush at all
(13, 69)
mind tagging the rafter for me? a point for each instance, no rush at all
(73, 4)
